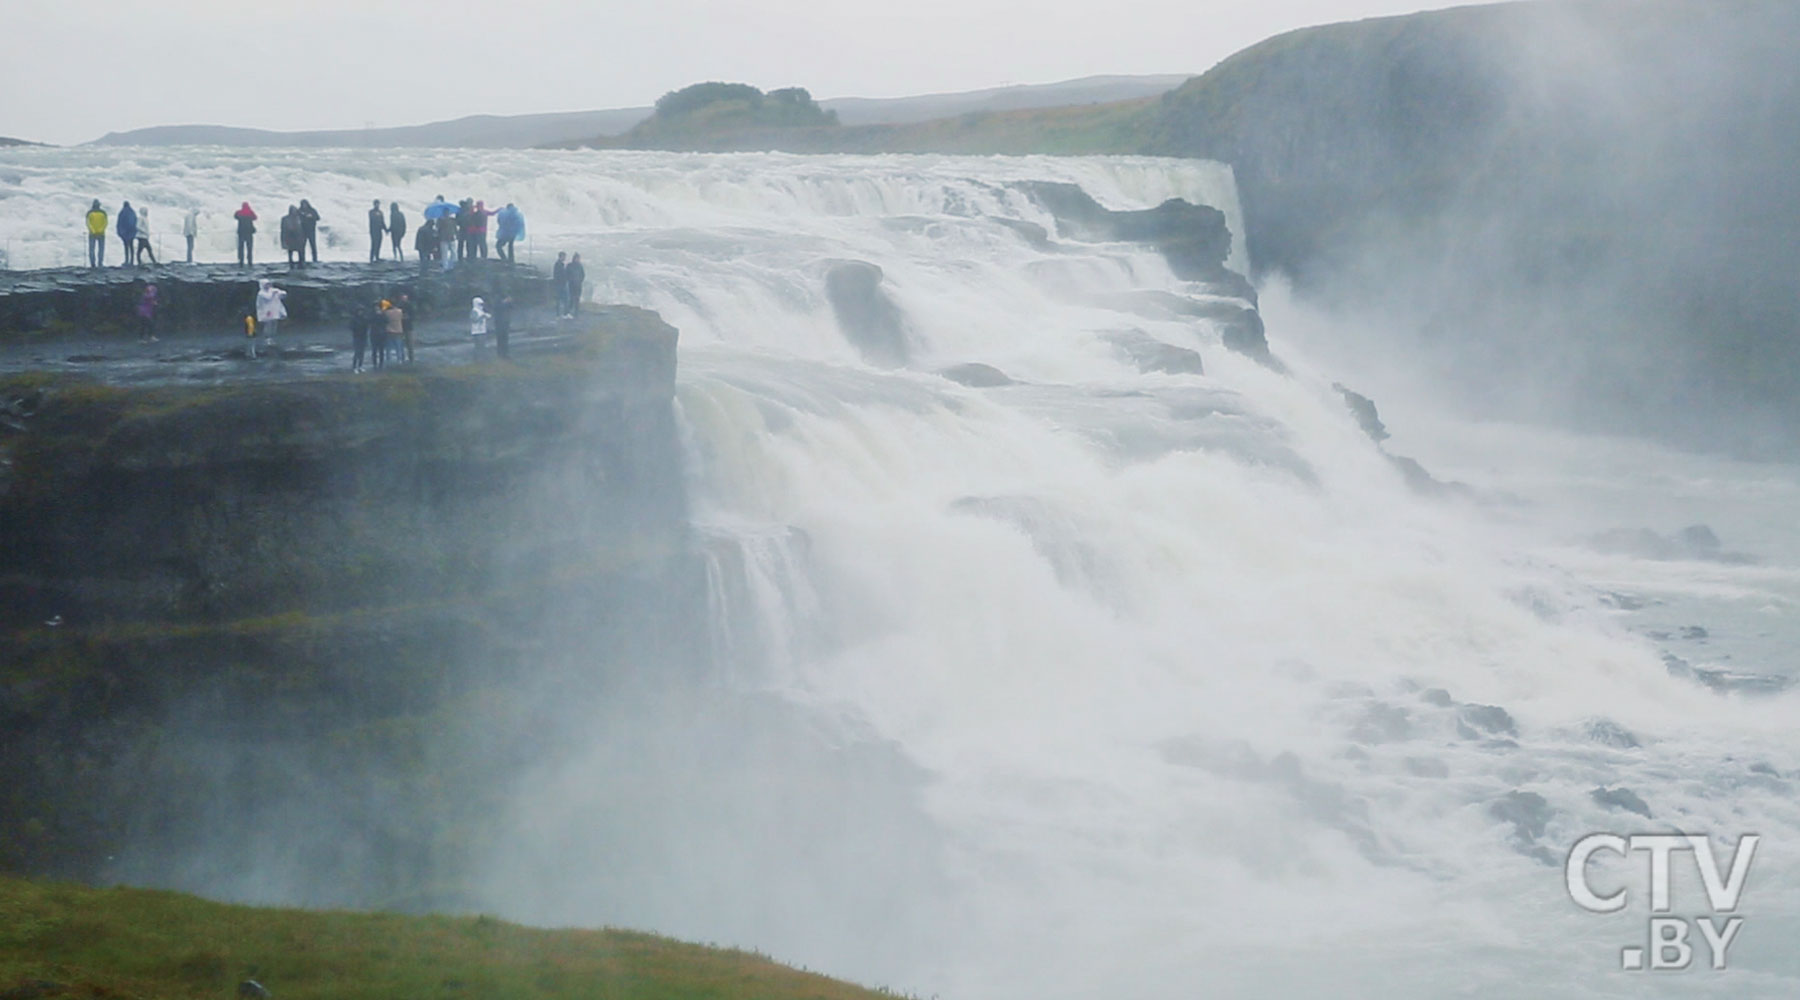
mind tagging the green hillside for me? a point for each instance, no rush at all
(124, 944)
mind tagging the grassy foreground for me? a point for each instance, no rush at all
(137, 943)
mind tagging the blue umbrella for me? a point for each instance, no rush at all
(439, 209)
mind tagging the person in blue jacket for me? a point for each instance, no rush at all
(127, 230)
(510, 224)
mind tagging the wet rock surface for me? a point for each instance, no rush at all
(868, 317)
(55, 303)
(1193, 238)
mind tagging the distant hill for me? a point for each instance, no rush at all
(689, 117)
(1087, 90)
(1115, 127)
(585, 127)
(727, 117)
(8, 141)
(473, 132)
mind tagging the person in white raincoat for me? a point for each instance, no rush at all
(190, 228)
(478, 323)
(270, 311)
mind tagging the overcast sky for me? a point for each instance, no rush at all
(75, 70)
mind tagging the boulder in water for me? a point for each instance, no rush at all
(871, 320)
(1489, 719)
(1620, 798)
(1610, 733)
(1529, 815)
(1152, 355)
(977, 375)
(1364, 410)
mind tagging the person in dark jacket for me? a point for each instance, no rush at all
(465, 228)
(377, 228)
(291, 242)
(559, 283)
(359, 334)
(396, 229)
(246, 235)
(503, 310)
(309, 230)
(576, 275)
(127, 230)
(449, 240)
(425, 244)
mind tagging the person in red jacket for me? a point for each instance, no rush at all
(478, 217)
(246, 222)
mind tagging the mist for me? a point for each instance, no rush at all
(1569, 212)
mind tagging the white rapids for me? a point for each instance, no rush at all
(1199, 696)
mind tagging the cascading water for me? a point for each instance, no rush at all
(1130, 683)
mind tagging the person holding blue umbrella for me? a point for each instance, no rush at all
(511, 227)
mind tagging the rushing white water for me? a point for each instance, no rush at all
(1180, 664)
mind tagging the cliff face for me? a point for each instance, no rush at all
(261, 631)
(1580, 210)
(51, 302)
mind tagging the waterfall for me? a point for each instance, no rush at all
(1106, 679)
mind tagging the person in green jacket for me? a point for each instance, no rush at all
(96, 230)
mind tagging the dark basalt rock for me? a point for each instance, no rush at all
(211, 297)
(1193, 238)
(223, 605)
(1529, 815)
(976, 375)
(1489, 719)
(1244, 334)
(1725, 681)
(871, 320)
(1152, 355)
(1621, 798)
(1364, 409)
(1610, 733)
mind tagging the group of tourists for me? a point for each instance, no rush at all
(381, 332)
(566, 279)
(449, 233)
(133, 228)
(260, 325)
(386, 328)
(460, 231)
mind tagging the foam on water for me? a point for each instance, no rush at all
(1161, 647)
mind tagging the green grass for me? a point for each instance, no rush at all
(137, 943)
